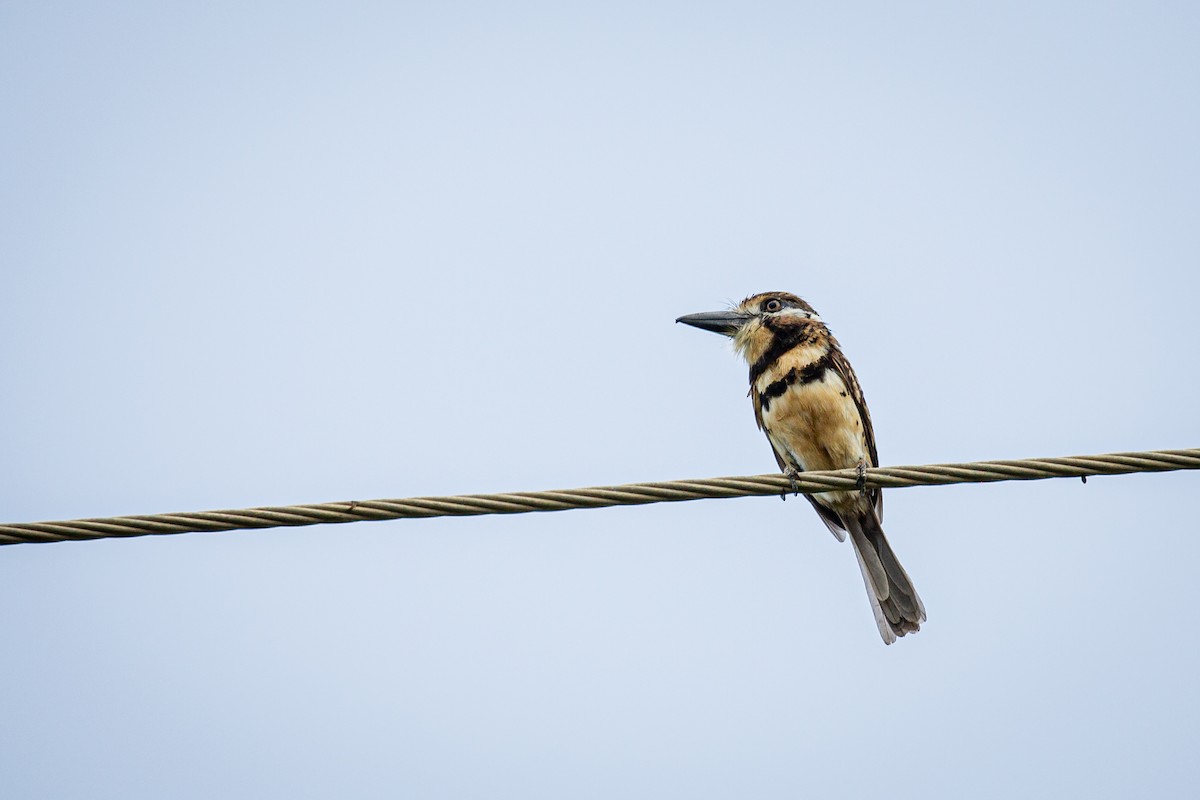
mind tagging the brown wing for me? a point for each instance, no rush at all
(842, 366)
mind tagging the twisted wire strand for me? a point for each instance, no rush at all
(599, 496)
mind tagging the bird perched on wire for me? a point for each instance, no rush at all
(808, 402)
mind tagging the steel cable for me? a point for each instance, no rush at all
(599, 496)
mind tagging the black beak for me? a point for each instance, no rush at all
(723, 322)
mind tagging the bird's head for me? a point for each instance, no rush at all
(756, 321)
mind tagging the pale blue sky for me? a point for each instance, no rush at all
(257, 253)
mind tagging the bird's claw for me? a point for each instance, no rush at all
(861, 481)
(792, 474)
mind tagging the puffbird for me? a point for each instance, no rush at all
(808, 402)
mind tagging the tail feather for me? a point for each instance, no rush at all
(897, 606)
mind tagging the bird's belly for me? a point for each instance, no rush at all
(818, 425)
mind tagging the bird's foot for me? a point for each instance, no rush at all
(861, 481)
(792, 474)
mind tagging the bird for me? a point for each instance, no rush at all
(808, 402)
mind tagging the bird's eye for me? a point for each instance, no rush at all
(772, 305)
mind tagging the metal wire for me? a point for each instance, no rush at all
(599, 496)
